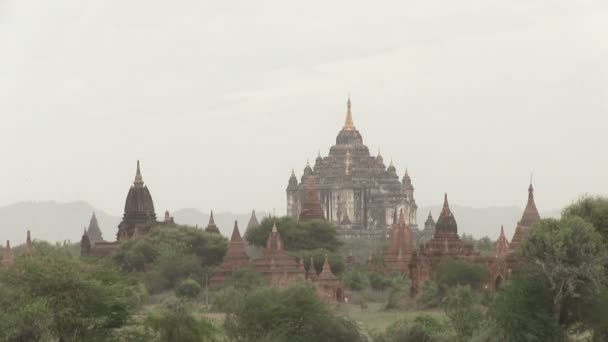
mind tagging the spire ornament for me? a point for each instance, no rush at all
(349, 125)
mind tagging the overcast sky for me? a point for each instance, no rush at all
(220, 99)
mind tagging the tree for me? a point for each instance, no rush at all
(451, 273)
(189, 289)
(571, 255)
(176, 323)
(423, 328)
(57, 296)
(593, 210)
(521, 311)
(461, 305)
(297, 235)
(294, 314)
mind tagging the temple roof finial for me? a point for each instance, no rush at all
(349, 125)
(138, 182)
(446, 205)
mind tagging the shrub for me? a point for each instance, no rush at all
(188, 288)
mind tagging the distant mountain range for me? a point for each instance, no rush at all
(54, 221)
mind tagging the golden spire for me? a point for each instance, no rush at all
(349, 125)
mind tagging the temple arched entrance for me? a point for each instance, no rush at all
(339, 295)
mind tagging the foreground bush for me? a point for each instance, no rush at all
(294, 314)
(423, 328)
(57, 296)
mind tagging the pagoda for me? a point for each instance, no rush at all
(8, 258)
(278, 267)
(311, 209)
(502, 244)
(211, 226)
(235, 259)
(94, 232)
(529, 218)
(139, 215)
(399, 253)
(445, 243)
(329, 287)
(355, 189)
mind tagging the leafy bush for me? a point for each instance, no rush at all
(451, 273)
(295, 314)
(461, 305)
(176, 322)
(188, 288)
(423, 328)
(57, 296)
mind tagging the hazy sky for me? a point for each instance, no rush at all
(220, 99)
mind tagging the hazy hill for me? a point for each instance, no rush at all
(53, 221)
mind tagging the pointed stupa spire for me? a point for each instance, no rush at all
(502, 244)
(138, 182)
(253, 221)
(236, 234)
(349, 125)
(446, 205)
(8, 258)
(211, 226)
(274, 227)
(401, 218)
(530, 216)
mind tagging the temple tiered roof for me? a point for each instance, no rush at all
(139, 208)
(211, 226)
(311, 209)
(502, 244)
(529, 218)
(397, 256)
(278, 267)
(94, 232)
(235, 258)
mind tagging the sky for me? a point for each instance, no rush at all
(221, 99)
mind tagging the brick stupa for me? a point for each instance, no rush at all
(329, 287)
(211, 226)
(399, 253)
(235, 259)
(502, 244)
(278, 267)
(8, 259)
(311, 209)
(529, 218)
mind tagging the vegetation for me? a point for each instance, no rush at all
(296, 235)
(56, 296)
(293, 314)
(423, 328)
(170, 255)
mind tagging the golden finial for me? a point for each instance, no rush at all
(349, 125)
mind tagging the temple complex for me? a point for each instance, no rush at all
(139, 215)
(211, 226)
(278, 267)
(235, 259)
(446, 243)
(399, 252)
(94, 232)
(356, 190)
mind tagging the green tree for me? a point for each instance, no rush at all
(521, 310)
(175, 322)
(189, 289)
(593, 210)
(451, 273)
(571, 255)
(294, 314)
(57, 296)
(423, 328)
(461, 305)
(297, 235)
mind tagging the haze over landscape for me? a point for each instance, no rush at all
(221, 101)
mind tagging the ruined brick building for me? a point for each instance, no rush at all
(355, 189)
